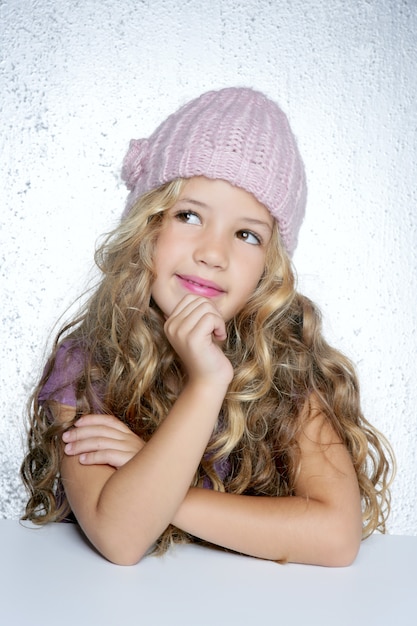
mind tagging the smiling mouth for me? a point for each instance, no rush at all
(199, 286)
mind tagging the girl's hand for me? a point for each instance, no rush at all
(101, 440)
(195, 329)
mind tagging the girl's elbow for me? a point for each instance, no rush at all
(119, 548)
(125, 560)
(341, 547)
(117, 542)
(343, 555)
(341, 536)
(122, 555)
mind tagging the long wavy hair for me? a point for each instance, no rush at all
(279, 355)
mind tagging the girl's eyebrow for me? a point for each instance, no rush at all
(255, 222)
(193, 201)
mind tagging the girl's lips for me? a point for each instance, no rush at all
(200, 286)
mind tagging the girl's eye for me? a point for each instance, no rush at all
(249, 237)
(188, 217)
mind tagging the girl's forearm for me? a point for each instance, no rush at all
(139, 500)
(294, 529)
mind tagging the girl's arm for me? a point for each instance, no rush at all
(321, 524)
(123, 512)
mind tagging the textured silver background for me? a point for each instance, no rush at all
(79, 79)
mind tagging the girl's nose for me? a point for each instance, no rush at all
(212, 250)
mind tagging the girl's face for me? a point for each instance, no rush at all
(213, 244)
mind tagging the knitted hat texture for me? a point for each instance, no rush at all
(234, 134)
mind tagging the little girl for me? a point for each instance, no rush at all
(194, 397)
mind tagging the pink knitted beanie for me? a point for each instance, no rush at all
(235, 134)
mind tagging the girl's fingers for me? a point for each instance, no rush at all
(198, 313)
(105, 420)
(78, 433)
(78, 446)
(187, 304)
(115, 458)
(102, 451)
(190, 309)
(194, 330)
(101, 439)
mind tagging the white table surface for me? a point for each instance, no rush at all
(51, 575)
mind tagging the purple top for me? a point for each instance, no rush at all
(60, 384)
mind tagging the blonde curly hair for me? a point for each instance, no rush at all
(280, 359)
